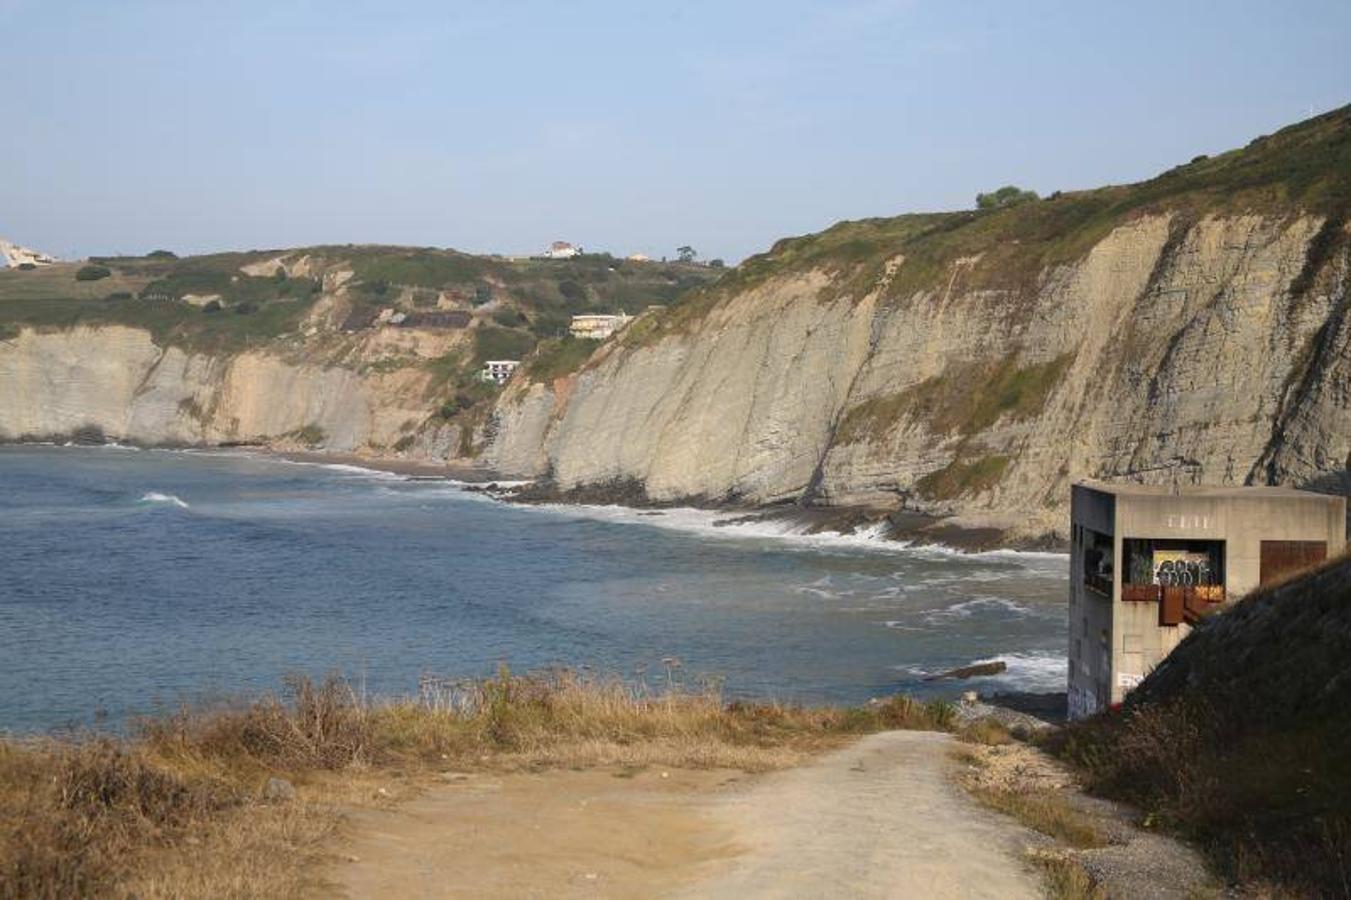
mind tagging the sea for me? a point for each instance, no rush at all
(133, 581)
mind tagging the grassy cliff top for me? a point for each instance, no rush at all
(1305, 168)
(531, 298)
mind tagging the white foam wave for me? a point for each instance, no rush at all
(157, 497)
(735, 526)
(1037, 671)
(968, 608)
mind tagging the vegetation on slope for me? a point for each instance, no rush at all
(1241, 739)
(187, 808)
(1303, 168)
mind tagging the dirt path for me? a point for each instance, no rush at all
(881, 818)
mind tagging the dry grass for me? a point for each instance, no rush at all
(1047, 812)
(986, 732)
(179, 809)
(1241, 740)
(1063, 878)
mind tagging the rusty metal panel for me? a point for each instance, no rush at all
(1140, 593)
(1283, 557)
(1172, 606)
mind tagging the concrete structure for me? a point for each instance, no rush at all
(499, 370)
(597, 327)
(561, 250)
(14, 256)
(1145, 561)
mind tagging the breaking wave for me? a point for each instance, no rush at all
(157, 497)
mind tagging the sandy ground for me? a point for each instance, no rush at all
(882, 818)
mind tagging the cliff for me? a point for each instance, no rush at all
(358, 349)
(1193, 327)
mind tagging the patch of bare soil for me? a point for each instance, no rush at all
(611, 832)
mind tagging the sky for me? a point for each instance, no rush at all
(133, 125)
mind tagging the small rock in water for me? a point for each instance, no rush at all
(973, 671)
(279, 790)
(970, 698)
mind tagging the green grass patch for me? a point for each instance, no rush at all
(492, 342)
(965, 399)
(963, 478)
(557, 357)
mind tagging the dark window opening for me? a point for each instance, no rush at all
(1185, 577)
(1099, 561)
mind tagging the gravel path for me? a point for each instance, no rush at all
(882, 818)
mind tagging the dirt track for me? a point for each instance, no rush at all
(881, 818)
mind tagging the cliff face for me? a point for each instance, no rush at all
(975, 365)
(118, 380)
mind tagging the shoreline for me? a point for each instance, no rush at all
(903, 527)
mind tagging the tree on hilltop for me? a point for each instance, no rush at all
(1008, 195)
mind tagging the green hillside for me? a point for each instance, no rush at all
(531, 299)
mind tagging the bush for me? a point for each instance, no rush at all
(245, 308)
(571, 290)
(118, 295)
(92, 273)
(211, 306)
(501, 343)
(26, 267)
(161, 254)
(1008, 195)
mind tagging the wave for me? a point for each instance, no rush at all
(157, 497)
(1038, 672)
(726, 525)
(968, 608)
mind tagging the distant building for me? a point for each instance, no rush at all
(14, 256)
(499, 370)
(639, 257)
(1147, 561)
(561, 250)
(597, 327)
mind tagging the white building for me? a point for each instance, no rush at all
(499, 370)
(597, 328)
(15, 256)
(561, 250)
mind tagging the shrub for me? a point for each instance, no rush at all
(211, 306)
(118, 295)
(245, 308)
(492, 342)
(26, 267)
(161, 254)
(1008, 195)
(92, 273)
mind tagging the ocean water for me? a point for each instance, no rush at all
(134, 580)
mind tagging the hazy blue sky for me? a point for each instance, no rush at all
(127, 126)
